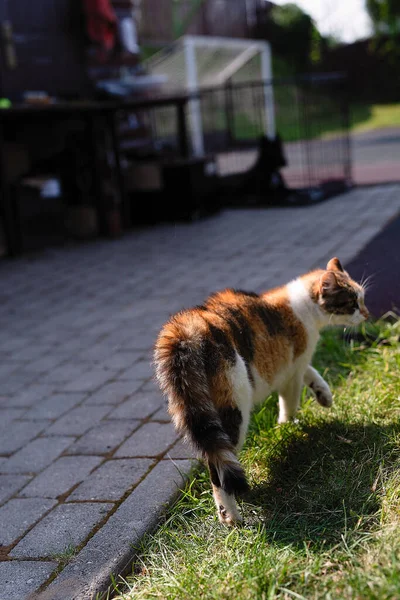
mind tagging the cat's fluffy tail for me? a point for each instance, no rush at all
(181, 374)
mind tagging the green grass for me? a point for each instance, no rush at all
(375, 116)
(323, 518)
(323, 120)
(65, 556)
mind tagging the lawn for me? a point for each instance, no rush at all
(323, 118)
(323, 518)
(374, 116)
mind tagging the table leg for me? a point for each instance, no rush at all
(100, 201)
(125, 206)
(11, 229)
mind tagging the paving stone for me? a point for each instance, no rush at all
(180, 450)
(162, 414)
(150, 440)
(151, 386)
(17, 381)
(7, 367)
(14, 343)
(69, 370)
(138, 342)
(61, 476)
(78, 420)
(140, 370)
(95, 354)
(30, 395)
(20, 579)
(76, 343)
(54, 406)
(10, 414)
(139, 406)
(36, 455)
(18, 514)
(46, 363)
(120, 360)
(104, 438)
(88, 382)
(11, 484)
(20, 433)
(121, 534)
(113, 392)
(31, 352)
(65, 526)
(111, 480)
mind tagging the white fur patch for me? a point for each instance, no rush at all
(242, 394)
(262, 388)
(357, 318)
(304, 308)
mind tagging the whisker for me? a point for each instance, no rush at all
(362, 280)
(368, 280)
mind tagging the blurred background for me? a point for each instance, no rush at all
(121, 113)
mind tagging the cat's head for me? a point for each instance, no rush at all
(340, 297)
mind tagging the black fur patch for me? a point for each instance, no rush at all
(244, 293)
(241, 331)
(342, 302)
(235, 481)
(271, 318)
(217, 347)
(214, 475)
(206, 430)
(185, 359)
(231, 420)
(242, 334)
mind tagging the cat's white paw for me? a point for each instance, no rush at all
(229, 517)
(323, 395)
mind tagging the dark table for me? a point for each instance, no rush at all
(88, 111)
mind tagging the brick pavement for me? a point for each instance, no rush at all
(88, 458)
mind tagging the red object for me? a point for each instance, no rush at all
(101, 22)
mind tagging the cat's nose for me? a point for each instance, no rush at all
(364, 311)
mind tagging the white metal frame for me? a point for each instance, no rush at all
(250, 49)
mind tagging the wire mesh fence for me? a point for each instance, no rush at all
(311, 119)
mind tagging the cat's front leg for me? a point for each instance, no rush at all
(289, 398)
(318, 386)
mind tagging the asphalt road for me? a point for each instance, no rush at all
(380, 260)
(376, 156)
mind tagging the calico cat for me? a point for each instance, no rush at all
(216, 361)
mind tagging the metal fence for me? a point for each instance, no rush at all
(311, 119)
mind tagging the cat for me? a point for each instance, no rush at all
(216, 361)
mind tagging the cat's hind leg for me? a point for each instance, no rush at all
(229, 478)
(289, 398)
(318, 386)
(227, 510)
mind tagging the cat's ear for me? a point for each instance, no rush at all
(328, 283)
(334, 265)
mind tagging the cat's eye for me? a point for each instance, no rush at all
(346, 301)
